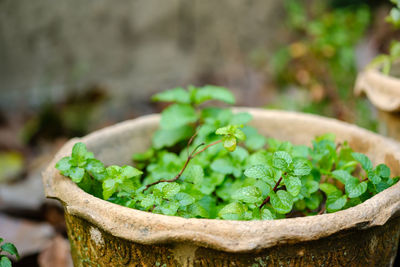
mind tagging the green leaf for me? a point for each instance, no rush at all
(64, 164)
(169, 208)
(76, 174)
(365, 162)
(373, 177)
(178, 95)
(266, 214)
(254, 140)
(4, 261)
(341, 175)
(300, 205)
(328, 189)
(231, 130)
(148, 201)
(239, 134)
(282, 201)
(145, 156)
(127, 186)
(95, 166)
(263, 186)
(184, 199)
(167, 138)
(109, 188)
(354, 188)
(335, 201)
(327, 136)
(196, 210)
(96, 169)
(248, 194)
(383, 171)
(313, 201)
(381, 186)
(311, 186)
(239, 155)
(230, 143)
(129, 172)
(177, 115)
(113, 170)
(158, 189)
(194, 174)
(170, 190)
(211, 92)
(301, 167)
(222, 165)
(262, 172)
(293, 185)
(10, 248)
(282, 160)
(258, 158)
(80, 154)
(232, 211)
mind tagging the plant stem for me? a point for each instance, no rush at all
(322, 210)
(190, 157)
(207, 146)
(274, 189)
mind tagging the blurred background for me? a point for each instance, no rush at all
(70, 67)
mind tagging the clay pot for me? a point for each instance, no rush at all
(105, 234)
(384, 93)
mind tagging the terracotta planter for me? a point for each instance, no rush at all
(384, 93)
(105, 234)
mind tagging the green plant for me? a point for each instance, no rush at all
(319, 61)
(8, 248)
(223, 168)
(385, 61)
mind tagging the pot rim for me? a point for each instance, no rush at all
(382, 90)
(230, 236)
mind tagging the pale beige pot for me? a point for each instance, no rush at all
(105, 234)
(384, 93)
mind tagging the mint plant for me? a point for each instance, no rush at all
(207, 162)
(7, 248)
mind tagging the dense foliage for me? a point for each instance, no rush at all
(209, 163)
(319, 61)
(8, 248)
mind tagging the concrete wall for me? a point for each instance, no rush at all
(134, 48)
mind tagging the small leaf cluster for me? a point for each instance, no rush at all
(177, 119)
(92, 176)
(8, 248)
(231, 134)
(276, 177)
(224, 169)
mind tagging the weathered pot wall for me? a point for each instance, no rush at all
(384, 93)
(376, 246)
(105, 234)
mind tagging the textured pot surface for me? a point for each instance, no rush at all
(382, 90)
(384, 93)
(105, 234)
